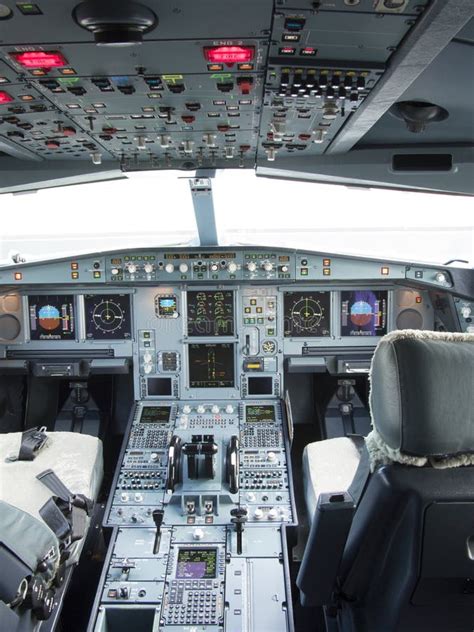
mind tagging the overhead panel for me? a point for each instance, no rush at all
(325, 58)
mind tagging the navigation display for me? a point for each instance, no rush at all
(211, 313)
(211, 366)
(364, 313)
(108, 317)
(307, 314)
(155, 415)
(259, 414)
(52, 317)
(197, 564)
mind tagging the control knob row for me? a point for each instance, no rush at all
(266, 265)
(201, 409)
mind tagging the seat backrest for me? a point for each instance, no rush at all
(408, 564)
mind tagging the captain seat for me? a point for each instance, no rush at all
(48, 485)
(391, 544)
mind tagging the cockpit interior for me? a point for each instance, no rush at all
(220, 435)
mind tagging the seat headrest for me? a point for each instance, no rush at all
(422, 392)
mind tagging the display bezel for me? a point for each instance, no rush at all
(210, 332)
(192, 383)
(308, 291)
(365, 337)
(105, 336)
(36, 337)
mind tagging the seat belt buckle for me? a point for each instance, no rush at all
(78, 521)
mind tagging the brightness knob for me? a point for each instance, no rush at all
(148, 267)
(232, 267)
(132, 268)
(183, 268)
(441, 277)
(268, 266)
(169, 267)
(251, 266)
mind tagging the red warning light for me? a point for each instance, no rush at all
(229, 54)
(5, 97)
(40, 59)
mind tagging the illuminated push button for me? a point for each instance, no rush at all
(169, 267)
(229, 409)
(258, 514)
(251, 266)
(187, 409)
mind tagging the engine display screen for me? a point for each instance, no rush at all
(211, 365)
(52, 317)
(155, 415)
(211, 313)
(197, 564)
(166, 306)
(108, 317)
(364, 313)
(307, 314)
(259, 414)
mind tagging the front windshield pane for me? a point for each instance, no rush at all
(153, 209)
(379, 223)
(145, 210)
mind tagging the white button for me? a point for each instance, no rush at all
(198, 534)
(251, 266)
(201, 409)
(115, 271)
(441, 277)
(124, 498)
(214, 267)
(147, 368)
(268, 266)
(258, 514)
(147, 357)
(232, 267)
(148, 268)
(154, 456)
(250, 497)
(272, 514)
(215, 409)
(187, 409)
(466, 311)
(132, 268)
(229, 409)
(183, 268)
(169, 267)
(271, 456)
(138, 498)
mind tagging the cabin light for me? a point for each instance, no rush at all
(18, 276)
(40, 59)
(5, 97)
(229, 54)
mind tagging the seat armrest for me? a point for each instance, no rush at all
(324, 548)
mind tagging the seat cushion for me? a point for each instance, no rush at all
(75, 458)
(328, 466)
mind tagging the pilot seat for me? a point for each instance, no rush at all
(391, 544)
(49, 482)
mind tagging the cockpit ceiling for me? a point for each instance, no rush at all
(254, 85)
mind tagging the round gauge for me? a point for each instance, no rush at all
(307, 314)
(269, 347)
(108, 317)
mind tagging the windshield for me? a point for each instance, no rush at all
(152, 209)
